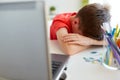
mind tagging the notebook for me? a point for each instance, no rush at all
(23, 42)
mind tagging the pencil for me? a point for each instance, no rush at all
(115, 50)
(115, 34)
(110, 57)
(118, 33)
(107, 55)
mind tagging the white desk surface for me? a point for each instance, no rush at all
(79, 69)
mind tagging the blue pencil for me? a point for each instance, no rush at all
(113, 32)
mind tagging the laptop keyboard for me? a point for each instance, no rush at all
(55, 66)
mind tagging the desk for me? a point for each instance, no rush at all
(79, 69)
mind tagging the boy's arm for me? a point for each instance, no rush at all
(69, 49)
(81, 40)
(73, 43)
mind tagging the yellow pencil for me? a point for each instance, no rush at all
(110, 57)
(117, 28)
(116, 32)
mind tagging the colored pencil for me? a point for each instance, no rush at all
(110, 57)
(113, 32)
(114, 48)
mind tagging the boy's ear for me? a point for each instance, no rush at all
(76, 21)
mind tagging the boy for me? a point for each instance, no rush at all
(77, 31)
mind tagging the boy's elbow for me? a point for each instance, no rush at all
(70, 52)
(74, 50)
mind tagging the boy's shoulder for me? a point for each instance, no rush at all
(64, 15)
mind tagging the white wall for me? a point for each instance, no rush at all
(114, 10)
(64, 5)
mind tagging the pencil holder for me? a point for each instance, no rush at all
(111, 58)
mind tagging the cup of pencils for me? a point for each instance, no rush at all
(111, 59)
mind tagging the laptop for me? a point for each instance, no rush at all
(23, 42)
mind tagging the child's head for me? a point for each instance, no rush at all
(91, 17)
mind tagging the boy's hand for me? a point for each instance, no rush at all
(77, 39)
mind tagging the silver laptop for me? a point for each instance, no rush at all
(23, 42)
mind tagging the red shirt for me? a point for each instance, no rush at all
(60, 21)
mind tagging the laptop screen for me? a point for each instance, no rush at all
(23, 47)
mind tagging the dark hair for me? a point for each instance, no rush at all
(91, 17)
